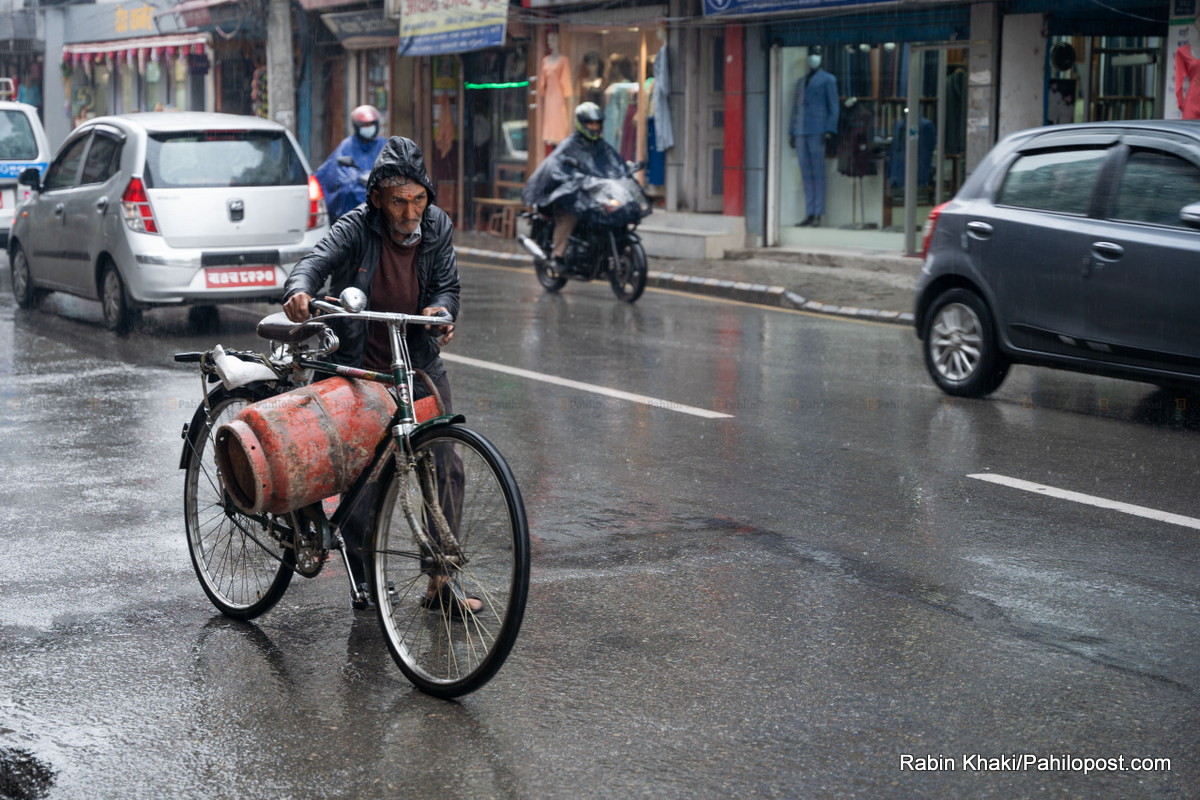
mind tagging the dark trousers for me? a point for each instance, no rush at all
(450, 480)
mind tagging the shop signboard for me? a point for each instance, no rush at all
(441, 27)
(738, 7)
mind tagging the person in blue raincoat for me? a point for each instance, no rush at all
(343, 182)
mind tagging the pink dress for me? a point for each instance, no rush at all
(556, 88)
(1187, 66)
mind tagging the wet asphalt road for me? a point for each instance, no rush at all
(784, 603)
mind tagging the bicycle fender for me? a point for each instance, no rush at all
(444, 419)
(190, 432)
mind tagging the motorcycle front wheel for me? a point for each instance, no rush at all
(550, 280)
(628, 273)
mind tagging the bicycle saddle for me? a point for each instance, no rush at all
(278, 328)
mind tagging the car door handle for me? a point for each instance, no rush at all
(1108, 250)
(102, 204)
(58, 209)
(981, 230)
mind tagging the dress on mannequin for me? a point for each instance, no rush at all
(814, 117)
(1187, 68)
(555, 82)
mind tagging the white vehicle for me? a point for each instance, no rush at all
(162, 208)
(23, 145)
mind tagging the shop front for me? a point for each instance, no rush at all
(612, 58)
(115, 61)
(867, 125)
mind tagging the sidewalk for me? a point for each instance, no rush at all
(860, 283)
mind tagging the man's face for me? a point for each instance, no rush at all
(595, 126)
(402, 207)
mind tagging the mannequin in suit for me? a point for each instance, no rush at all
(814, 120)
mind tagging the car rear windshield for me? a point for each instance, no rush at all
(222, 158)
(16, 137)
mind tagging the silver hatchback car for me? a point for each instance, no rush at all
(167, 208)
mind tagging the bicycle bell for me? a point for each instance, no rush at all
(353, 300)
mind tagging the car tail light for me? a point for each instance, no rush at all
(317, 213)
(138, 214)
(930, 224)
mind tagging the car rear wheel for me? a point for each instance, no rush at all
(961, 352)
(113, 299)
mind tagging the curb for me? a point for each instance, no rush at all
(755, 293)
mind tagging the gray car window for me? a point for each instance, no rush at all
(102, 160)
(222, 158)
(16, 137)
(1056, 180)
(63, 171)
(1154, 187)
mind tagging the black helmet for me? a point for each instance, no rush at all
(585, 113)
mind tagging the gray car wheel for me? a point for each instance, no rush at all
(114, 300)
(961, 352)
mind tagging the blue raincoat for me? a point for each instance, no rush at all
(343, 190)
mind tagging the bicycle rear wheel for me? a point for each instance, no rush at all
(461, 484)
(242, 562)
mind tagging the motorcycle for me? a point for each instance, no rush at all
(604, 243)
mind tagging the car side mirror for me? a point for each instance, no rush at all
(1190, 215)
(32, 177)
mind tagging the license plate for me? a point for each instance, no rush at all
(236, 277)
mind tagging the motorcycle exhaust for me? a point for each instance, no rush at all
(531, 246)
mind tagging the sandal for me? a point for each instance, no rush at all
(451, 598)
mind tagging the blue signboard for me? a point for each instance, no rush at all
(736, 7)
(458, 41)
(11, 169)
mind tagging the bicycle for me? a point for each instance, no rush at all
(432, 543)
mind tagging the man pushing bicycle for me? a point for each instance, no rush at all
(397, 248)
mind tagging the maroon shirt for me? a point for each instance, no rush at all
(394, 290)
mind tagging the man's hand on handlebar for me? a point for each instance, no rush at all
(447, 331)
(297, 307)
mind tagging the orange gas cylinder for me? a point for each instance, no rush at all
(294, 449)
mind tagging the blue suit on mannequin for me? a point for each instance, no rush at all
(814, 119)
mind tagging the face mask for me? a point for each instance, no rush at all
(367, 132)
(814, 62)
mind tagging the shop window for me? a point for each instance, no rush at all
(1103, 78)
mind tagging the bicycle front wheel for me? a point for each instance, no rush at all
(450, 603)
(242, 561)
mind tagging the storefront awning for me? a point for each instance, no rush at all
(196, 43)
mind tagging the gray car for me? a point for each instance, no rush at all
(1076, 247)
(167, 208)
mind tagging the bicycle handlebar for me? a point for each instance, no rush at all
(334, 310)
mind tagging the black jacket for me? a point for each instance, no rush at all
(349, 256)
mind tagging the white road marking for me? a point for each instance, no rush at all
(1090, 500)
(641, 399)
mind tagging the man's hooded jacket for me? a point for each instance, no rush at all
(349, 256)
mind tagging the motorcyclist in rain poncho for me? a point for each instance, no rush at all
(342, 183)
(557, 181)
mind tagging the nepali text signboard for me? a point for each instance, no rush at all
(735, 7)
(439, 27)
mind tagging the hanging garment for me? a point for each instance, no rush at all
(855, 134)
(1187, 67)
(556, 88)
(664, 135)
(926, 142)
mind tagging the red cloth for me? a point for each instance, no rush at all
(1187, 67)
(393, 290)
